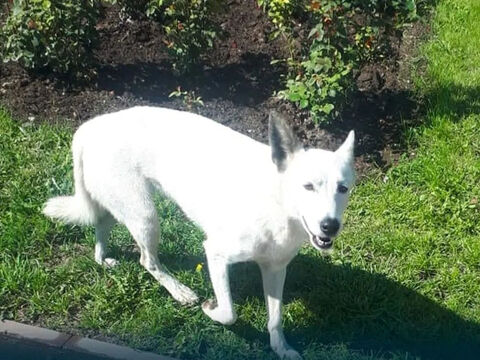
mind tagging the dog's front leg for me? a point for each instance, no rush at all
(222, 309)
(273, 281)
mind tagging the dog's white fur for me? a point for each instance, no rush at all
(250, 207)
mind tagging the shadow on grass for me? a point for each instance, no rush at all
(455, 101)
(365, 311)
(368, 312)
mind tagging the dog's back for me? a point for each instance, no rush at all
(194, 160)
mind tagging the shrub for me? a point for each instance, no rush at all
(188, 26)
(189, 30)
(339, 36)
(320, 79)
(59, 35)
(51, 34)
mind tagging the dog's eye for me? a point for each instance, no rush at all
(309, 187)
(342, 189)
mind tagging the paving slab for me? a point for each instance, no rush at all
(112, 351)
(14, 348)
(33, 333)
(21, 341)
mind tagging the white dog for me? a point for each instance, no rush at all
(255, 202)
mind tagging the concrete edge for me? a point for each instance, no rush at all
(74, 343)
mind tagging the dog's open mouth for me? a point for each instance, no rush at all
(318, 242)
(322, 243)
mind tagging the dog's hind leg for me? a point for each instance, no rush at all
(146, 234)
(222, 309)
(130, 202)
(102, 232)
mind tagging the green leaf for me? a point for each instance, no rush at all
(35, 42)
(318, 32)
(410, 5)
(303, 103)
(292, 96)
(327, 108)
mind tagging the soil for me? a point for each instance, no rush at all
(235, 82)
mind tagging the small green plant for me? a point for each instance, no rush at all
(187, 24)
(189, 30)
(279, 12)
(189, 99)
(51, 34)
(320, 79)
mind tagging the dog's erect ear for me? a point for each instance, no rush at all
(346, 149)
(282, 140)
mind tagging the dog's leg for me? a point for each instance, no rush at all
(102, 232)
(273, 281)
(130, 202)
(146, 234)
(221, 309)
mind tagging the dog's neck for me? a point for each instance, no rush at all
(281, 221)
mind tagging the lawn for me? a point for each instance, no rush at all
(403, 283)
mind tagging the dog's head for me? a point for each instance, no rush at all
(315, 183)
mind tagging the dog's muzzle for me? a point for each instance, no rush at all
(318, 242)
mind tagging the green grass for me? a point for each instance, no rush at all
(404, 282)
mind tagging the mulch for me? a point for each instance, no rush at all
(235, 80)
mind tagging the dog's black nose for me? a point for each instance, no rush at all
(330, 226)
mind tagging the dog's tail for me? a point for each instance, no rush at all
(78, 209)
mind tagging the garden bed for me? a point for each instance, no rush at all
(235, 82)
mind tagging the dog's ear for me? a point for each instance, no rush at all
(282, 140)
(346, 150)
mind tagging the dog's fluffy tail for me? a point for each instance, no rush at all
(80, 208)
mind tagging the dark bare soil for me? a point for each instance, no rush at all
(235, 81)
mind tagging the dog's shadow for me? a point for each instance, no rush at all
(366, 311)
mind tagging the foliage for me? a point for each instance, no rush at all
(59, 35)
(51, 34)
(189, 99)
(336, 36)
(279, 11)
(188, 26)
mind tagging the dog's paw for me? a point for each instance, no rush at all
(223, 316)
(184, 295)
(210, 304)
(285, 351)
(109, 262)
(289, 354)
